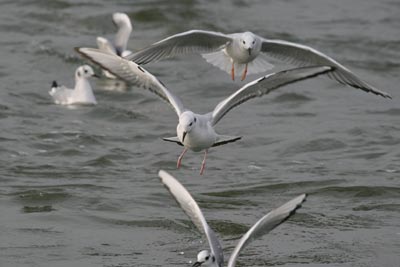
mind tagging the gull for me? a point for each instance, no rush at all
(246, 51)
(214, 257)
(82, 92)
(119, 46)
(196, 131)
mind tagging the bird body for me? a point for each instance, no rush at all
(243, 48)
(195, 131)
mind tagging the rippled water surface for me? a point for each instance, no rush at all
(79, 186)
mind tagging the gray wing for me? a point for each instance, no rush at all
(304, 55)
(266, 224)
(194, 41)
(192, 210)
(131, 73)
(265, 85)
(105, 45)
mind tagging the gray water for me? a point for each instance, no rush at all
(79, 186)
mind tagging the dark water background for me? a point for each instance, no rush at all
(79, 186)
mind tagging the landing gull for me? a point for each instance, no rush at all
(214, 257)
(247, 52)
(196, 131)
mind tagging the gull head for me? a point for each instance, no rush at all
(205, 258)
(84, 71)
(187, 121)
(122, 20)
(248, 42)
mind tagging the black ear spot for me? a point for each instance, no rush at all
(195, 119)
(244, 42)
(79, 74)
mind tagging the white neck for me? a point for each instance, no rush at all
(122, 37)
(83, 91)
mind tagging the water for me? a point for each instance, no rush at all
(79, 186)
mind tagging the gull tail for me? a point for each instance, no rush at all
(219, 59)
(224, 62)
(59, 93)
(54, 84)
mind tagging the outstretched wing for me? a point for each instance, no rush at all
(131, 73)
(266, 224)
(304, 55)
(192, 210)
(265, 85)
(194, 41)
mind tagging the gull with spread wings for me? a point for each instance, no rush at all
(196, 131)
(246, 52)
(214, 257)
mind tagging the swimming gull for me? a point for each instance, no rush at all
(82, 93)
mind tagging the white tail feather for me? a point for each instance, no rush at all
(224, 62)
(219, 59)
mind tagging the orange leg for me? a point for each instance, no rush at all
(178, 164)
(244, 73)
(233, 71)
(203, 163)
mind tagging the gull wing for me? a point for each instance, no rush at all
(105, 45)
(194, 41)
(263, 86)
(266, 224)
(192, 210)
(304, 55)
(131, 73)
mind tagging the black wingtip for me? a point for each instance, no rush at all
(172, 141)
(54, 84)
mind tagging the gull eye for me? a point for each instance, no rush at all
(86, 71)
(190, 124)
(195, 119)
(244, 42)
(207, 258)
(254, 42)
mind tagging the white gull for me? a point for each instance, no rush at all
(82, 93)
(196, 131)
(214, 257)
(246, 52)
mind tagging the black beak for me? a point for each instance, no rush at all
(197, 264)
(249, 51)
(96, 76)
(183, 140)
